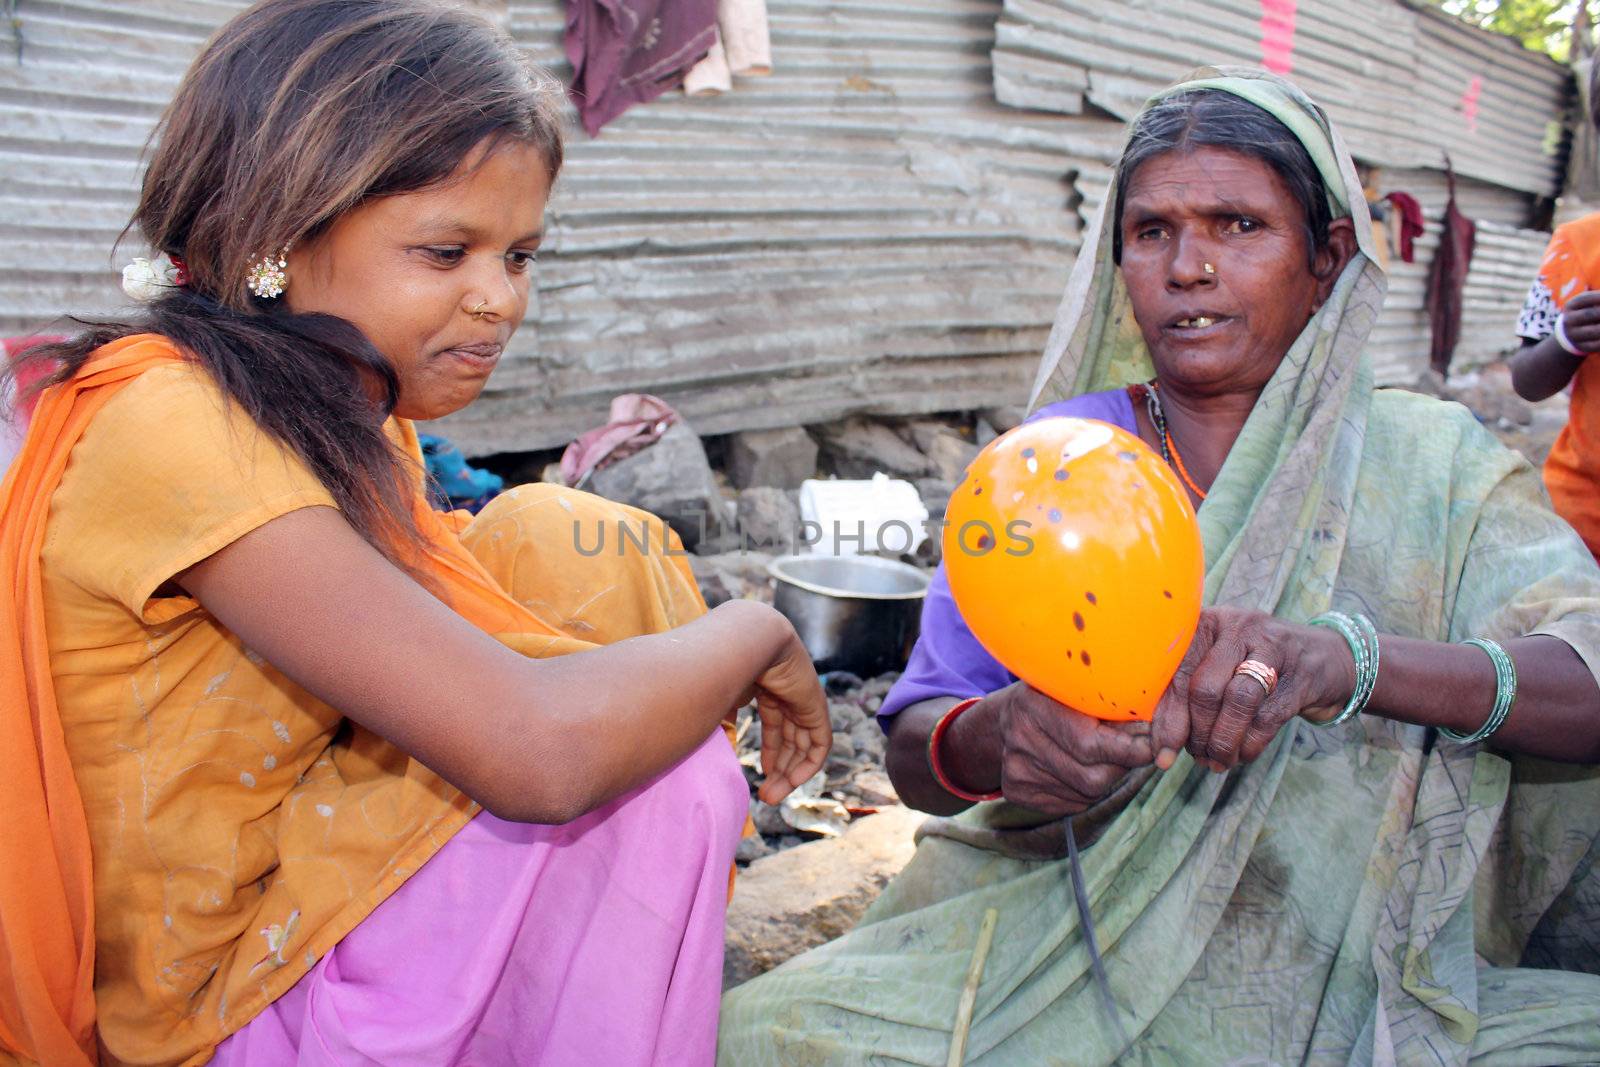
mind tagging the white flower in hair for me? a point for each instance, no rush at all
(146, 281)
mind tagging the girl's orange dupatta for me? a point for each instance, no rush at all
(47, 1011)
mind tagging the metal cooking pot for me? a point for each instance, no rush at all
(859, 614)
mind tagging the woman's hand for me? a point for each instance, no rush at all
(1224, 718)
(1057, 761)
(796, 734)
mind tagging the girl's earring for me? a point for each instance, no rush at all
(269, 275)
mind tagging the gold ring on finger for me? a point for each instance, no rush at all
(1260, 672)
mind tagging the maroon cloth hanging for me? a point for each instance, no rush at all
(626, 52)
(1448, 278)
(1411, 223)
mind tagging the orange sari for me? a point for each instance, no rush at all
(47, 921)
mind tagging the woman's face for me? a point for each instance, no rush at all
(1223, 329)
(410, 269)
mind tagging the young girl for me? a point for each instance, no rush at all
(293, 768)
(1559, 327)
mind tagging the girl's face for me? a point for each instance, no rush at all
(410, 269)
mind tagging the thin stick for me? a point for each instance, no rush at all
(969, 992)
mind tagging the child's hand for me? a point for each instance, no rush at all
(1581, 319)
(796, 735)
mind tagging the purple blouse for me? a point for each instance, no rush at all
(947, 659)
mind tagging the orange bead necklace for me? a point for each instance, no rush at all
(1169, 447)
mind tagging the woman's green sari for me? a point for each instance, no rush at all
(1371, 893)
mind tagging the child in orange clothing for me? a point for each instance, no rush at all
(1560, 327)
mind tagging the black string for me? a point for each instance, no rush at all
(1086, 920)
(1158, 419)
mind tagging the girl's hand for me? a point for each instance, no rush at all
(796, 734)
(1224, 718)
(1057, 761)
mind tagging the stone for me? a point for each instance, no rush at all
(950, 456)
(768, 517)
(751, 849)
(671, 479)
(923, 432)
(844, 714)
(843, 748)
(873, 788)
(936, 494)
(781, 458)
(1006, 418)
(879, 686)
(1489, 394)
(870, 741)
(733, 576)
(841, 762)
(801, 897)
(858, 448)
(768, 819)
(1431, 383)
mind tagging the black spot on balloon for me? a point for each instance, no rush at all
(1090, 598)
(1084, 655)
(977, 490)
(1055, 514)
(985, 543)
(1061, 475)
(1077, 620)
(1167, 593)
(1027, 453)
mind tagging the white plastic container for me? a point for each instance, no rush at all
(880, 514)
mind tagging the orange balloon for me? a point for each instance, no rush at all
(1075, 558)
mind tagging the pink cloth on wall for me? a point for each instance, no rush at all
(636, 420)
(1277, 35)
(14, 347)
(594, 943)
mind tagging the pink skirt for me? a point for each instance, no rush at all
(598, 942)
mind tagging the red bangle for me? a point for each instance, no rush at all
(934, 738)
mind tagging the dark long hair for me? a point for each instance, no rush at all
(1212, 118)
(294, 113)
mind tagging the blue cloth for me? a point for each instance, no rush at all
(453, 484)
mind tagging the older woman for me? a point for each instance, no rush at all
(1339, 841)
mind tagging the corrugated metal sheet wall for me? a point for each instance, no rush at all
(865, 230)
(1396, 78)
(1505, 258)
(868, 229)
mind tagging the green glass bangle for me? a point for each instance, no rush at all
(1505, 681)
(1370, 632)
(1362, 637)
